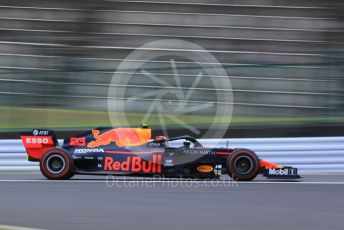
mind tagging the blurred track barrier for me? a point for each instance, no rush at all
(318, 154)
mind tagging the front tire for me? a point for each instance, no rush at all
(56, 164)
(242, 165)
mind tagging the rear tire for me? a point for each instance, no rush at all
(56, 164)
(242, 165)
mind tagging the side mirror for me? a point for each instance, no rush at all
(187, 144)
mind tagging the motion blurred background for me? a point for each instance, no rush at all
(284, 60)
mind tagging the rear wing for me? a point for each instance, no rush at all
(37, 142)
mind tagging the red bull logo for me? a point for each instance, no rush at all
(121, 137)
(134, 164)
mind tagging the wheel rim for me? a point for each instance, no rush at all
(55, 164)
(243, 165)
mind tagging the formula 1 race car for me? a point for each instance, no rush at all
(131, 151)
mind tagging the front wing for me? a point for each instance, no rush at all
(274, 171)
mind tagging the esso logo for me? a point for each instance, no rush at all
(37, 140)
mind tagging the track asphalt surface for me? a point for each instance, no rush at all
(89, 202)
